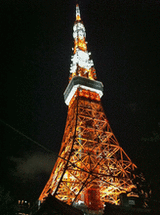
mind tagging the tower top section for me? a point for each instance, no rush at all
(81, 64)
(82, 71)
(78, 15)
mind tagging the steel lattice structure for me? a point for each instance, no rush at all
(91, 166)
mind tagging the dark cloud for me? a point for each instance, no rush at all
(30, 166)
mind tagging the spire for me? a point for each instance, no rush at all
(78, 15)
(81, 64)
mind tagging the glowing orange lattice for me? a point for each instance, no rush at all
(90, 156)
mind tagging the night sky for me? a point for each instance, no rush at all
(36, 46)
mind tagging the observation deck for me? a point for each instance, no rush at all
(84, 83)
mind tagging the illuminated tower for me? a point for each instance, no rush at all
(91, 166)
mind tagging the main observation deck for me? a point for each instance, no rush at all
(84, 83)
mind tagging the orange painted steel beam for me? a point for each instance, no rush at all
(90, 159)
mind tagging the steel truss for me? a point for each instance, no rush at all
(91, 165)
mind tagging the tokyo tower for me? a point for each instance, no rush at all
(91, 166)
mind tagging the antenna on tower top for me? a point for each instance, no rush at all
(78, 15)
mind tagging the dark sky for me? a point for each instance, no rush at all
(36, 41)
